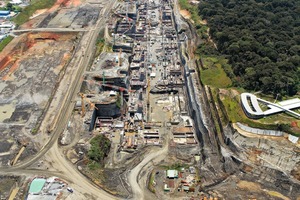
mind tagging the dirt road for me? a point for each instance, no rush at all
(83, 188)
(133, 177)
(61, 167)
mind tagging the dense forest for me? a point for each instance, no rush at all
(261, 39)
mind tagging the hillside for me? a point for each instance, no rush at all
(261, 40)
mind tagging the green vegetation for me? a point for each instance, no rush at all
(28, 11)
(99, 46)
(244, 55)
(261, 39)
(100, 146)
(184, 5)
(94, 165)
(176, 166)
(214, 112)
(214, 73)
(34, 131)
(151, 182)
(5, 41)
(11, 7)
(206, 47)
(17, 9)
(236, 114)
(118, 102)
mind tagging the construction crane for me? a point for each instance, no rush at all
(92, 105)
(121, 89)
(148, 100)
(124, 17)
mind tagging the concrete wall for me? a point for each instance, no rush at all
(259, 131)
(107, 110)
(193, 104)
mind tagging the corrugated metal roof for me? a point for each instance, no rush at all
(4, 12)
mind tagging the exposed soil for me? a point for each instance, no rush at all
(185, 13)
(251, 186)
(30, 67)
(38, 12)
(10, 59)
(39, 15)
(204, 22)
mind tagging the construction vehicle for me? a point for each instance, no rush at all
(92, 105)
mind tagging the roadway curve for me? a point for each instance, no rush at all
(133, 177)
(64, 168)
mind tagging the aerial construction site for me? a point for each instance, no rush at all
(121, 76)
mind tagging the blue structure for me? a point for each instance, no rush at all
(4, 13)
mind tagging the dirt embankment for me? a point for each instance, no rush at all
(21, 49)
(40, 14)
(185, 13)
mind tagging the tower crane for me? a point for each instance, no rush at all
(92, 105)
(148, 100)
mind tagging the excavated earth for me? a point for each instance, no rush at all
(31, 67)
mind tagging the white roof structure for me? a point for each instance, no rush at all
(293, 139)
(172, 173)
(250, 104)
(153, 74)
(6, 25)
(16, 2)
(112, 93)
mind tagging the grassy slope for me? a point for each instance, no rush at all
(214, 74)
(184, 5)
(236, 114)
(28, 11)
(5, 41)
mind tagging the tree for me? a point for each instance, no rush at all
(9, 6)
(260, 38)
(100, 146)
